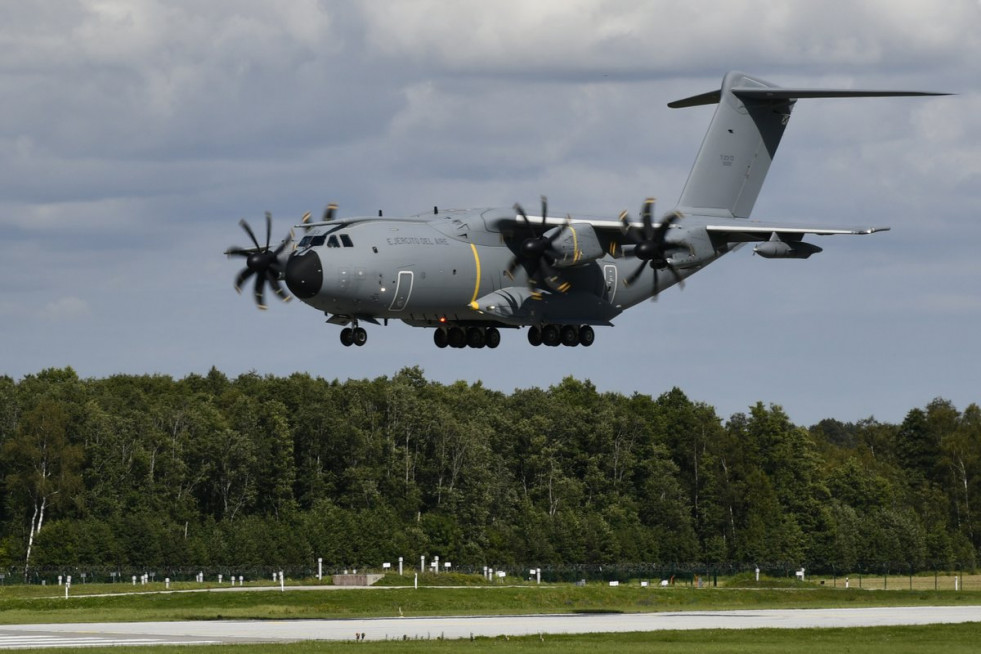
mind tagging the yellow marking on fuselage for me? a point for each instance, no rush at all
(476, 260)
(575, 244)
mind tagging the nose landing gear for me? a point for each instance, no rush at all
(353, 336)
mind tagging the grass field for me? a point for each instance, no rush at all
(92, 603)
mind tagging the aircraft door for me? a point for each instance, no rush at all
(403, 289)
(610, 274)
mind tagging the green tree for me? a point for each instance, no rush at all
(42, 467)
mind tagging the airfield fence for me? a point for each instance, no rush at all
(877, 576)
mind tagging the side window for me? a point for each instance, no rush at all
(332, 242)
(346, 240)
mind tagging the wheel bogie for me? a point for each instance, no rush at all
(554, 335)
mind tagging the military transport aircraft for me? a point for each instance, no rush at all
(469, 274)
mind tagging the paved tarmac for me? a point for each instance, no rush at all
(241, 631)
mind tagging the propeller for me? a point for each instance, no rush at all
(534, 253)
(649, 243)
(262, 262)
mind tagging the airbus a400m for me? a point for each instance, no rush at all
(469, 274)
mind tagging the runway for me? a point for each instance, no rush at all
(252, 631)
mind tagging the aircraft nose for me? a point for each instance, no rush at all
(304, 275)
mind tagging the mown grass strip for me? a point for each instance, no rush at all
(392, 602)
(945, 639)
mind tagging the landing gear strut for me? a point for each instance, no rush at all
(554, 335)
(460, 337)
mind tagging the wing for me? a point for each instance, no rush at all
(737, 231)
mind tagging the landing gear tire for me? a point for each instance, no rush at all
(569, 335)
(586, 336)
(456, 337)
(347, 337)
(360, 336)
(550, 335)
(535, 336)
(493, 337)
(475, 337)
(441, 339)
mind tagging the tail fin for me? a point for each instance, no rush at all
(742, 140)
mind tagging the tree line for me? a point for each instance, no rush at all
(269, 471)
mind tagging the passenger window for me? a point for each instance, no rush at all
(346, 240)
(332, 242)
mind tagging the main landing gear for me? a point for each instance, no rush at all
(459, 337)
(554, 335)
(353, 336)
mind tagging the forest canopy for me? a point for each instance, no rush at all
(271, 471)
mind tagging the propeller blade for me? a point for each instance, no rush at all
(624, 222)
(665, 225)
(268, 229)
(677, 275)
(544, 210)
(242, 277)
(248, 230)
(237, 252)
(329, 212)
(260, 287)
(645, 216)
(524, 217)
(629, 281)
(282, 246)
(278, 289)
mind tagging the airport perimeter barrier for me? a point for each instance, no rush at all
(869, 576)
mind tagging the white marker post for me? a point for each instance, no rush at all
(320, 569)
(282, 582)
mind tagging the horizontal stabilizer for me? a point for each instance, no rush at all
(764, 94)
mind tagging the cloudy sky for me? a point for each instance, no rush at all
(134, 134)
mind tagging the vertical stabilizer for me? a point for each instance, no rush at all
(738, 147)
(743, 138)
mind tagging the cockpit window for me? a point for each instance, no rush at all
(318, 240)
(346, 240)
(305, 241)
(332, 242)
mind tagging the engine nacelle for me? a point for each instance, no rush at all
(577, 244)
(785, 250)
